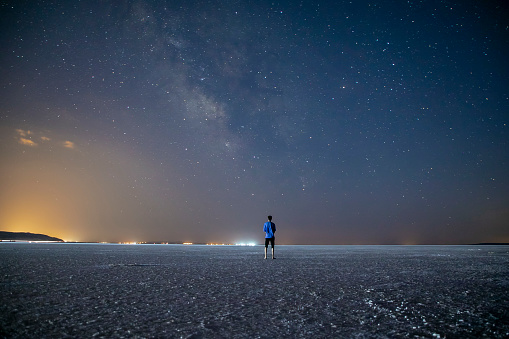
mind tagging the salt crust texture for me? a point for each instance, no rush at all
(176, 291)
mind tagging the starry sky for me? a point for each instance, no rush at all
(351, 122)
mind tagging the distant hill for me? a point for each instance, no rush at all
(21, 236)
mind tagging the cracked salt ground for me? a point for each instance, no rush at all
(100, 290)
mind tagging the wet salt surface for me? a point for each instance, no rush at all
(100, 290)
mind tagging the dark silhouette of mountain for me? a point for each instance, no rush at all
(22, 236)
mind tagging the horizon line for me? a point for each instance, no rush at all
(238, 244)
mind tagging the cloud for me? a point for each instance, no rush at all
(24, 137)
(27, 142)
(69, 144)
(23, 133)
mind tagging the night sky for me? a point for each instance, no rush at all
(351, 122)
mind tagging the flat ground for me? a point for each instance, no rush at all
(85, 290)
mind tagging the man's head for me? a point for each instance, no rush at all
(269, 217)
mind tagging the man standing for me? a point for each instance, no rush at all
(269, 228)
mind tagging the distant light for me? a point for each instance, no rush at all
(246, 244)
(187, 243)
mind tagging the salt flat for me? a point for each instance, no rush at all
(174, 291)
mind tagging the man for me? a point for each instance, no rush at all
(269, 228)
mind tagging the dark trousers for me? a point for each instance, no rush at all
(271, 240)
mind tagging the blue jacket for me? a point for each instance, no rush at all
(269, 228)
